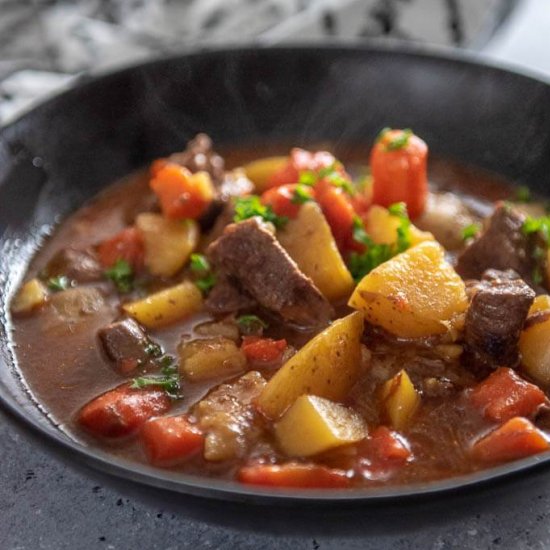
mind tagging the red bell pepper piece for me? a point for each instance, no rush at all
(126, 245)
(257, 348)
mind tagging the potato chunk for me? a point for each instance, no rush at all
(167, 306)
(313, 425)
(400, 399)
(416, 293)
(534, 346)
(309, 242)
(541, 303)
(382, 227)
(259, 171)
(327, 366)
(31, 295)
(210, 358)
(168, 243)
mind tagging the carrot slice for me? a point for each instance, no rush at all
(263, 349)
(181, 193)
(295, 475)
(169, 440)
(126, 245)
(388, 446)
(398, 164)
(504, 394)
(282, 200)
(516, 438)
(122, 411)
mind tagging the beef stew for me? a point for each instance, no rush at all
(299, 320)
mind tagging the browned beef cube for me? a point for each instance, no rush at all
(127, 346)
(227, 297)
(249, 255)
(495, 318)
(200, 157)
(76, 264)
(502, 246)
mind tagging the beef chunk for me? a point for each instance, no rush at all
(495, 318)
(502, 246)
(229, 419)
(126, 345)
(200, 157)
(227, 297)
(248, 255)
(79, 265)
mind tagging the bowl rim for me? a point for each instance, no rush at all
(203, 486)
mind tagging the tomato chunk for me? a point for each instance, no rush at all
(516, 438)
(300, 161)
(283, 201)
(257, 348)
(169, 440)
(295, 475)
(398, 163)
(504, 394)
(122, 411)
(181, 193)
(126, 245)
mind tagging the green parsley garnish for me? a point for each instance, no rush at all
(248, 207)
(470, 231)
(152, 349)
(168, 380)
(199, 262)
(251, 324)
(397, 142)
(302, 194)
(201, 266)
(523, 194)
(334, 177)
(541, 228)
(58, 283)
(360, 264)
(122, 275)
(308, 178)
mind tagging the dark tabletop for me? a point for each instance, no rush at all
(48, 502)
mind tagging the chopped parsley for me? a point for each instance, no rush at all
(332, 174)
(122, 275)
(251, 324)
(199, 262)
(361, 264)
(523, 194)
(201, 267)
(538, 227)
(302, 194)
(248, 207)
(58, 283)
(307, 178)
(398, 142)
(168, 380)
(470, 231)
(152, 349)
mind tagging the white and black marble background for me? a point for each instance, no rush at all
(46, 45)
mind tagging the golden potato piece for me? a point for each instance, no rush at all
(168, 243)
(327, 366)
(259, 171)
(314, 424)
(382, 227)
(211, 358)
(541, 303)
(400, 400)
(31, 295)
(534, 346)
(416, 293)
(309, 242)
(167, 306)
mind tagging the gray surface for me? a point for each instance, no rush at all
(47, 502)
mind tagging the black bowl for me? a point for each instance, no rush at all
(66, 150)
